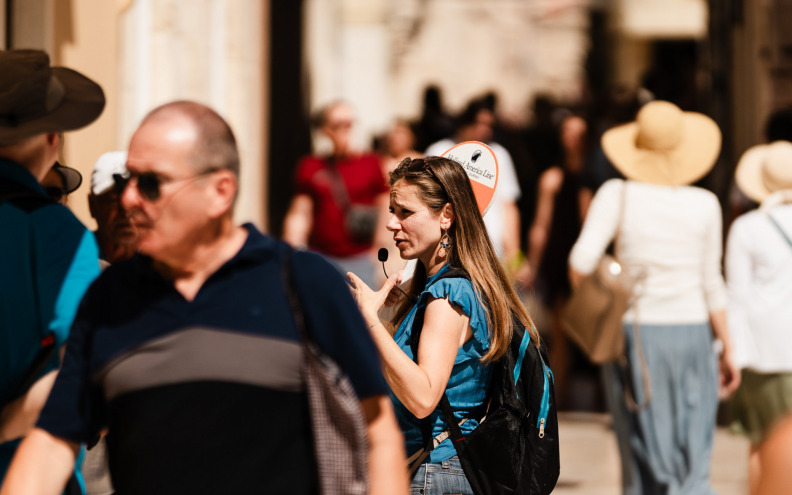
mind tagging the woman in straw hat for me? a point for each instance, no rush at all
(670, 233)
(759, 274)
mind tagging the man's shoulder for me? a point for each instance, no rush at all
(261, 250)
(312, 264)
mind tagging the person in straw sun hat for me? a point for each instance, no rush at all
(668, 233)
(47, 257)
(765, 169)
(759, 282)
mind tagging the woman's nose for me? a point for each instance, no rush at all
(393, 223)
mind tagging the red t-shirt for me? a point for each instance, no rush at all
(364, 181)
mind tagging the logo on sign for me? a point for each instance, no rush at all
(481, 167)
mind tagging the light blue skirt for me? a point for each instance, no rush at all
(666, 447)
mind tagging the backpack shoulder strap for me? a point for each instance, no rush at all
(417, 326)
(415, 336)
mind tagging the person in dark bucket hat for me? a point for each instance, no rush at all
(47, 256)
(36, 98)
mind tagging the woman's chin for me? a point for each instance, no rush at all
(406, 254)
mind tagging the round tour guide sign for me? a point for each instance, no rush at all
(481, 166)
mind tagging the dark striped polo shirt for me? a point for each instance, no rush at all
(205, 396)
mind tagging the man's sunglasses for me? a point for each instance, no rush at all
(149, 184)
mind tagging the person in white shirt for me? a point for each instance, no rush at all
(670, 233)
(503, 217)
(759, 282)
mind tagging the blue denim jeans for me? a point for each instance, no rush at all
(442, 478)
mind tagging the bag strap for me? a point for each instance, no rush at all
(337, 186)
(290, 286)
(780, 230)
(418, 458)
(417, 327)
(622, 209)
(629, 394)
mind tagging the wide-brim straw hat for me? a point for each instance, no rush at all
(36, 98)
(664, 145)
(765, 169)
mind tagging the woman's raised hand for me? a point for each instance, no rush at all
(370, 301)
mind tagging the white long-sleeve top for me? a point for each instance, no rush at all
(759, 281)
(671, 236)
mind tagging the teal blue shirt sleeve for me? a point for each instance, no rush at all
(82, 271)
(459, 292)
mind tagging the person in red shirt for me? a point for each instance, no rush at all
(328, 188)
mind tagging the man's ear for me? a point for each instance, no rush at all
(224, 190)
(55, 139)
(447, 216)
(92, 205)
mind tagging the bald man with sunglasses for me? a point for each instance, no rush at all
(188, 353)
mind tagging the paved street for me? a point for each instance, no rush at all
(590, 458)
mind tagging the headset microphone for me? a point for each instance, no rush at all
(382, 256)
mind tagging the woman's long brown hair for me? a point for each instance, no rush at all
(440, 181)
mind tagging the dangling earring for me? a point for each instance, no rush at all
(445, 244)
(445, 240)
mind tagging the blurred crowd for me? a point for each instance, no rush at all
(626, 175)
(551, 171)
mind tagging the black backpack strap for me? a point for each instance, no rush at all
(417, 327)
(445, 405)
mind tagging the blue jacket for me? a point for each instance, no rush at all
(47, 260)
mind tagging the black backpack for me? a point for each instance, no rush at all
(514, 450)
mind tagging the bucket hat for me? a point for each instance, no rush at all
(765, 169)
(36, 98)
(664, 145)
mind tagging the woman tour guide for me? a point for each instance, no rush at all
(467, 323)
